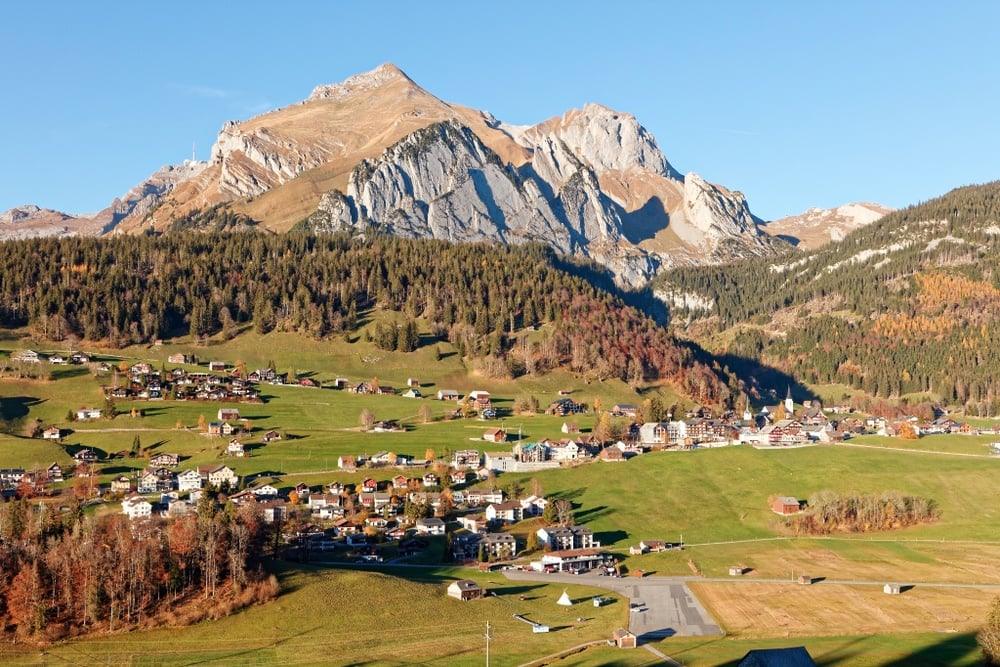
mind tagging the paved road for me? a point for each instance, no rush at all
(659, 606)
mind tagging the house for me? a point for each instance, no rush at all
(564, 406)
(447, 395)
(623, 638)
(228, 414)
(430, 479)
(25, 356)
(348, 463)
(273, 511)
(465, 458)
(189, 480)
(431, 526)
(219, 475)
(624, 410)
(785, 505)
(264, 491)
(79, 358)
(271, 435)
(412, 393)
(500, 462)
(235, 448)
(533, 505)
(121, 484)
(136, 507)
(57, 360)
(165, 460)
(570, 428)
(52, 433)
(796, 656)
(374, 500)
(217, 367)
(369, 485)
(341, 383)
(508, 512)
(494, 435)
(465, 589)
(564, 450)
(54, 473)
(571, 559)
(413, 383)
(400, 482)
(88, 413)
(531, 452)
(612, 455)
(481, 496)
(177, 358)
(653, 545)
(215, 428)
(85, 456)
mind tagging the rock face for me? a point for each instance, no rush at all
(377, 151)
(819, 226)
(30, 221)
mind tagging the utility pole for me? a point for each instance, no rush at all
(487, 644)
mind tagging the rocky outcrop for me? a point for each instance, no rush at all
(718, 221)
(30, 221)
(819, 226)
(146, 196)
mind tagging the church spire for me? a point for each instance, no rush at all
(789, 403)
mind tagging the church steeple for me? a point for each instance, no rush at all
(789, 403)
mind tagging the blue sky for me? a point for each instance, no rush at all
(796, 104)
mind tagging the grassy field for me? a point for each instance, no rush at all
(716, 500)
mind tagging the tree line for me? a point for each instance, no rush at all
(63, 573)
(512, 309)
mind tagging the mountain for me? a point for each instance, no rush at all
(31, 221)
(908, 306)
(819, 226)
(379, 152)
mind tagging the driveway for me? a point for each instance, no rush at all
(658, 606)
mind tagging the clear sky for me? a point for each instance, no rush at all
(797, 104)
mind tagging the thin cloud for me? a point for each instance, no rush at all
(205, 91)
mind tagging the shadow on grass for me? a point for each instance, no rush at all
(17, 407)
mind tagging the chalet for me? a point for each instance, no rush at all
(653, 545)
(362, 388)
(57, 360)
(89, 413)
(341, 383)
(235, 448)
(612, 455)
(273, 511)
(12, 475)
(345, 527)
(508, 512)
(165, 460)
(136, 507)
(215, 428)
(189, 480)
(431, 526)
(349, 463)
(271, 435)
(564, 406)
(54, 473)
(457, 476)
(400, 482)
(335, 488)
(412, 393)
(228, 414)
(25, 356)
(447, 395)
(177, 358)
(785, 505)
(369, 485)
(465, 458)
(387, 426)
(495, 435)
(52, 433)
(625, 410)
(533, 505)
(430, 479)
(219, 475)
(465, 589)
(264, 491)
(319, 500)
(413, 383)
(121, 484)
(564, 450)
(79, 358)
(308, 382)
(570, 428)
(217, 366)
(85, 456)
(139, 369)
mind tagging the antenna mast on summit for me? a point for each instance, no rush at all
(192, 151)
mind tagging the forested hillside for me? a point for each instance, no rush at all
(907, 305)
(511, 309)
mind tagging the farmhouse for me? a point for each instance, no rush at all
(135, 507)
(785, 505)
(465, 589)
(88, 413)
(494, 435)
(431, 526)
(164, 459)
(447, 395)
(228, 414)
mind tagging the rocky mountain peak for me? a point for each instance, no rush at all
(819, 226)
(359, 83)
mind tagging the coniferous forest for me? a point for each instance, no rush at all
(905, 306)
(512, 309)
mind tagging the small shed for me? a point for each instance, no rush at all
(785, 505)
(892, 589)
(623, 638)
(465, 589)
(805, 579)
(736, 570)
